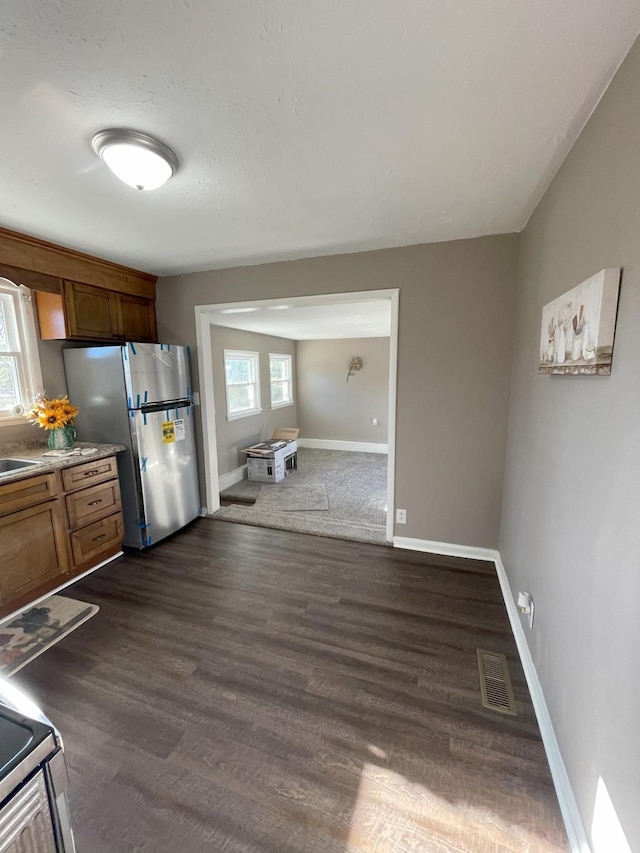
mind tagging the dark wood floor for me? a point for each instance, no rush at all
(245, 689)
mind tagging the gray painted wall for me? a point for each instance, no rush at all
(236, 434)
(330, 407)
(571, 526)
(457, 303)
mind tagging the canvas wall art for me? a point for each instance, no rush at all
(578, 327)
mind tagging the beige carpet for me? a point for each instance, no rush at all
(356, 487)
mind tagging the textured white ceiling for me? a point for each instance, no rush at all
(299, 321)
(304, 127)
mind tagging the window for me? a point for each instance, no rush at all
(280, 372)
(242, 379)
(20, 376)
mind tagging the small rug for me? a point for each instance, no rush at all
(246, 491)
(282, 497)
(26, 636)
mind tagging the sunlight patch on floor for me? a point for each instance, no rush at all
(395, 815)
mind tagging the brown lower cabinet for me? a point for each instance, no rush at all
(32, 542)
(93, 511)
(55, 526)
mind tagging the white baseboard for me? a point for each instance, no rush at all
(233, 477)
(446, 548)
(354, 446)
(578, 840)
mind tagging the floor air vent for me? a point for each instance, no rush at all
(495, 684)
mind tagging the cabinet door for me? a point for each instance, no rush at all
(32, 544)
(137, 318)
(90, 312)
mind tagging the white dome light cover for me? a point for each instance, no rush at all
(138, 160)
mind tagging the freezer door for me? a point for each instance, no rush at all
(166, 454)
(156, 372)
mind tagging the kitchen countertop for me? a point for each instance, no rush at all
(33, 450)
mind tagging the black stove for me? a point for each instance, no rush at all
(18, 737)
(34, 810)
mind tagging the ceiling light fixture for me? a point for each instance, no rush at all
(139, 160)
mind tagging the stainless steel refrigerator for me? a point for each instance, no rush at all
(140, 395)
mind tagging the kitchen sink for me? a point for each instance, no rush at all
(7, 466)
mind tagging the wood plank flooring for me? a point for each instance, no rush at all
(245, 689)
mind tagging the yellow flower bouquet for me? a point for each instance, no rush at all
(52, 414)
(57, 416)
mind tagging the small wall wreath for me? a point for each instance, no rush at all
(355, 364)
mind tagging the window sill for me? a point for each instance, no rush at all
(20, 420)
(238, 415)
(282, 405)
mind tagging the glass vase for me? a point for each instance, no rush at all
(61, 438)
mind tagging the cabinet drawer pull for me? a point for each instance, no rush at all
(95, 503)
(91, 473)
(101, 536)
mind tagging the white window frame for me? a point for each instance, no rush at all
(18, 300)
(288, 358)
(254, 358)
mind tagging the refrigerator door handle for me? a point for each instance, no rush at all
(165, 406)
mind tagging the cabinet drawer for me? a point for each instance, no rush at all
(93, 503)
(91, 541)
(27, 492)
(88, 473)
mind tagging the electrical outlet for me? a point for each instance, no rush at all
(401, 516)
(526, 606)
(374, 422)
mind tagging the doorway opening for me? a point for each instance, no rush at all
(335, 318)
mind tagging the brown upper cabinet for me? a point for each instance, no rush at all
(78, 296)
(88, 312)
(85, 312)
(137, 318)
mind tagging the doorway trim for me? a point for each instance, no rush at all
(203, 318)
